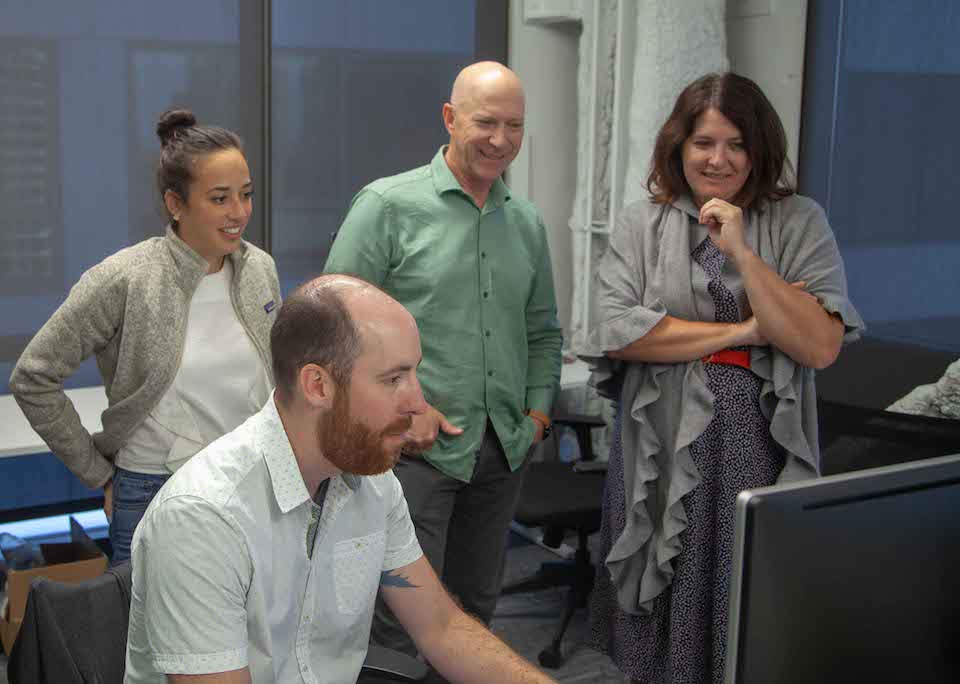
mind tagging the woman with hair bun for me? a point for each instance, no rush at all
(718, 297)
(179, 325)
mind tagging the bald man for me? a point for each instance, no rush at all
(471, 264)
(260, 559)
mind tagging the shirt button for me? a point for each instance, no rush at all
(487, 333)
(490, 373)
(483, 255)
(485, 294)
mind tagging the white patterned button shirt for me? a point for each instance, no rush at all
(222, 579)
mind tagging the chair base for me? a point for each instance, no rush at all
(578, 575)
(561, 573)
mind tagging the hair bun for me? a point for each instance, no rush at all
(173, 120)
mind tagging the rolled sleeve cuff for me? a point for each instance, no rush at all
(627, 328)
(853, 325)
(405, 556)
(205, 663)
(540, 399)
(101, 471)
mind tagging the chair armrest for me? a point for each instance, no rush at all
(574, 419)
(581, 425)
(389, 665)
(590, 467)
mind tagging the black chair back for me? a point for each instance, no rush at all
(74, 632)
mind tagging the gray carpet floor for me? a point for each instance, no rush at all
(527, 623)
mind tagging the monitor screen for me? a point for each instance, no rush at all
(849, 578)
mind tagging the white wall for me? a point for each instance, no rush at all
(765, 42)
(545, 58)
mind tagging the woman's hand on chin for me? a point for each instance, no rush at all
(724, 222)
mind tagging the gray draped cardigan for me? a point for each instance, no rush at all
(648, 272)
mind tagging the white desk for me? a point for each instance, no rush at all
(17, 438)
(574, 375)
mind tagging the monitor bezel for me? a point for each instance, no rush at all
(833, 489)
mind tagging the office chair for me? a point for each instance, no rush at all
(77, 633)
(854, 437)
(561, 497)
(73, 632)
(856, 431)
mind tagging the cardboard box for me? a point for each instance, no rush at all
(75, 561)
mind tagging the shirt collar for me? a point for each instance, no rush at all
(289, 489)
(685, 204)
(192, 265)
(445, 181)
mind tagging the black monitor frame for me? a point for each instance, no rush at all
(762, 513)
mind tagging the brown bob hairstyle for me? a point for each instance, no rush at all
(742, 102)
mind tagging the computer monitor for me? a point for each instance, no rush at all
(848, 578)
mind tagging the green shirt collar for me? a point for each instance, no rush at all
(445, 181)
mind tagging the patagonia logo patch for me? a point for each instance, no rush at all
(268, 307)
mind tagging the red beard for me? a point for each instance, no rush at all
(353, 447)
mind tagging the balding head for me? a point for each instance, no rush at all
(345, 357)
(485, 120)
(326, 322)
(364, 300)
(485, 79)
(375, 314)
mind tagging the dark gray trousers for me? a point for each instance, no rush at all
(462, 528)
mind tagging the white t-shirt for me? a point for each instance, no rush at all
(220, 383)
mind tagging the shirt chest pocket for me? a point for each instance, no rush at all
(510, 276)
(357, 564)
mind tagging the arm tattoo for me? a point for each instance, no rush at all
(393, 578)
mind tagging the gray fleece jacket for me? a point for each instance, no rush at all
(130, 310)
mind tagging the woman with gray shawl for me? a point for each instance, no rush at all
(716, 300)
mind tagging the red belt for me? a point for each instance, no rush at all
(730, 357)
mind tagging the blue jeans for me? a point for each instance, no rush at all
(132, 493)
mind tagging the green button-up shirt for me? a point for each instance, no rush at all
(480, 285)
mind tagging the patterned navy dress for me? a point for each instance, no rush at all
(683, 640)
